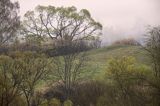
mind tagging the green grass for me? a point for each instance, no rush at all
(99, 57)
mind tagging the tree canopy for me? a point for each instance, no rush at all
(61, 23)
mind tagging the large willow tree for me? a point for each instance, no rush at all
(68, 29)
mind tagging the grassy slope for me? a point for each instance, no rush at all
(99, 57)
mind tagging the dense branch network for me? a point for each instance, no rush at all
(63, 24)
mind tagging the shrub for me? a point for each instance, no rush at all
(127, 77)
(68, 103)
(129, 41)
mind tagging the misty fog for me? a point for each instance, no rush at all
(120, 18)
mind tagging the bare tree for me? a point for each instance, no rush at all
(153, 48)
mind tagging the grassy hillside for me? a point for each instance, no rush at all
(99, 57)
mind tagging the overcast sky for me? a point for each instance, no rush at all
(120, 18)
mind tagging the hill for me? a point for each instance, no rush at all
(99, 57)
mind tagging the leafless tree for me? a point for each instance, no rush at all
(153, 48)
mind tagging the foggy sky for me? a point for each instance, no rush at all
(120, 18)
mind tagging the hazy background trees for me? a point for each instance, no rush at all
(9, 21)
